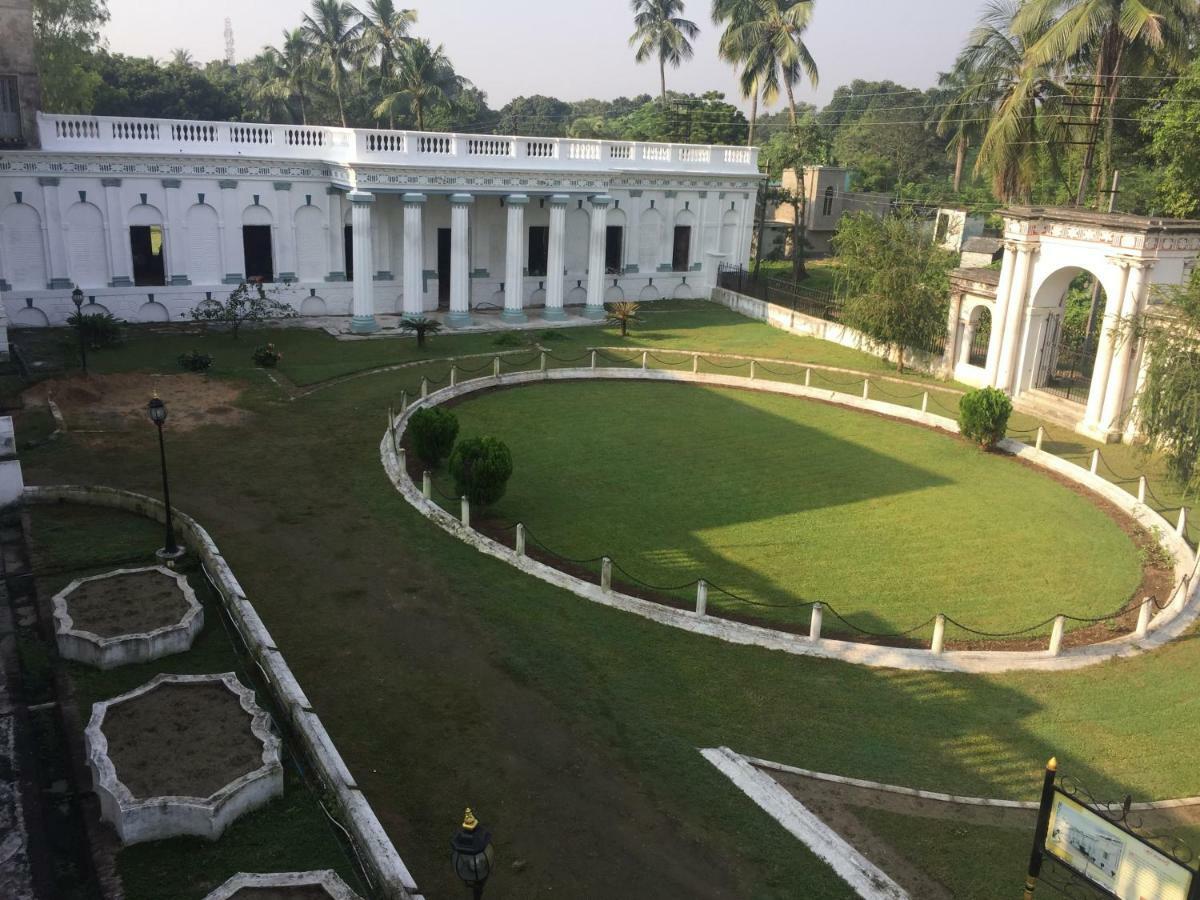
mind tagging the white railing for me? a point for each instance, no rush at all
(373, 146)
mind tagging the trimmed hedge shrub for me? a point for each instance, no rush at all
(195, 361)
(481, 468)
(983, 416)
(100, 330)
(267, 356)
(432, 431)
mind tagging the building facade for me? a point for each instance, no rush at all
(827, 197)
(19, 89)
(152, 217)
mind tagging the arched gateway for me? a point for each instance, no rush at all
(1075, 364)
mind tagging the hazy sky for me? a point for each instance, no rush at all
(574, 49)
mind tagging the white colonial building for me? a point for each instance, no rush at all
(152, 217)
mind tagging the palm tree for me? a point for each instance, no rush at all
(732, 12)
(334, 36)
(766, 37)
(622, 314)
(296, 61)
(385, 30)
(182, 59)
(267, 86)
(422, 79)
(661, 31)
(961, 113)
(1106, 31)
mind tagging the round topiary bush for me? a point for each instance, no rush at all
(983, 416)
(432, 431)
(481, 468)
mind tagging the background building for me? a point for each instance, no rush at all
(19, 93)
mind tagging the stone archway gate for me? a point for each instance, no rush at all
(1133, 258)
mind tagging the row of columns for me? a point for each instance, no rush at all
(363, 319)
(1115, 348)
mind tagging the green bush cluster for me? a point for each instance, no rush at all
(432, 431)
(100, 330)
(983, 416)
(481, 467)
(195, 361)
(267, 356)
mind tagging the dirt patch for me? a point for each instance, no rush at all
(118, 402)
(302, 892)
(126, 604)
(183, 740)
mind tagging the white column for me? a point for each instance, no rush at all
(1014, 319)
(285, 233)
(964, 348)
(556, 257)
(232, 250)
(120, 256)
(1000, 311)
(595, 288)
(951, 354)
(1105, 348)
(363, 307)
(1123, 346)
(382, 238)
(460, 261)
(337, 236)
(56, 245)
(514, 259)
(414, 255)
(174, 252)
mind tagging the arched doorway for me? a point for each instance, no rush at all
(1066, 358)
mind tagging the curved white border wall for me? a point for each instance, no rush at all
(326, 879)
(1168, 624)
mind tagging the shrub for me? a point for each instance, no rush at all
(420, 326)
(481, 468)
(267, 356)
(983, 416)
(195, 361)
(432, 431)
(509, 339)
(552, 334)
(100, 330)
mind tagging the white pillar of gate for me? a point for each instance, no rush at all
(1000, 312)
(460, 268)
(362, 320)
(1123, 346)
(951, 353)
(595, 288)
(556, 258)
(414, 255)
(1105, 349)
(1014, 321)
(514, 259)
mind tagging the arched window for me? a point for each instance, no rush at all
(827, 206)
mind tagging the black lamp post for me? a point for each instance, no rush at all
(471, 852)
(158, 415)
(77, 299)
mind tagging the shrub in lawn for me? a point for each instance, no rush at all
(509, 339)
(100, 330)
(267, 356)
(983, 416)
(432, 431)
(195, 361)
(481, 468)
(552, 334)
(420, 326)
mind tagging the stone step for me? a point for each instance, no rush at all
(1050, 408)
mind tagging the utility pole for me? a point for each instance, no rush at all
(1095, 308)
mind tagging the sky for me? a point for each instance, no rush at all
(574, 49)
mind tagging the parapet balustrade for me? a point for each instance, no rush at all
(355, 146)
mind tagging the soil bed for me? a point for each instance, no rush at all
(126, 604)
(181, 740)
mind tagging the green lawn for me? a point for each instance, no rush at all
(447, 678)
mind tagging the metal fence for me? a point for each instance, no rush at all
(780, 291)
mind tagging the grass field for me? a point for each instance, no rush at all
(782, 501)
(447, 678)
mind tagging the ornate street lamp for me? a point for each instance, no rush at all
(157, 411)
(471, 852)
(77, 299)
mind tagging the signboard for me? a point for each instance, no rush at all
(1110, 857)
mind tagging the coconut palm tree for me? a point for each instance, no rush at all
(333, 33)
(766, 36)
(731, 13)
(1106, 31)
(182, 59)
(961, 113)
(385, 29)
(661, 31)
(422, 79)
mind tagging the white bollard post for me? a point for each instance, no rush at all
(520, 539)
(815, 621)
(1143, 622)
(939, 635)
(1056, 635)
(866, 389)
(403, 402)
(543, 362)
(1141, 489)
(392, 429)
(593, 359)
(1181, 525)
(1095, 466)
(808, 377)
(695, 363)
(753, 371)
(925, 402)
(424, 387)
(426, 485)
(403, 456)
(606, 574)
(644, 355)
(1041, 437)
(701, 597)
(453, 376)
(466, 511)
(496, 367)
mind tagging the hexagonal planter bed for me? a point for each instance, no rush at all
(182, 755)
(320, 885)
(126, 616)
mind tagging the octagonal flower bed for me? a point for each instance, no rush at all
(182, 755)
(320, 885)
(126, 616)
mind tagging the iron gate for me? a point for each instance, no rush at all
(1066, 362)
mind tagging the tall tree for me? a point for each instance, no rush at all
(334, 30)
(731, 13)
(384, 31)
(767, 37)
(1106, 31)
(1172, 130)
(960, 114)
(661, 32)
(423, 78)
(67, 32)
